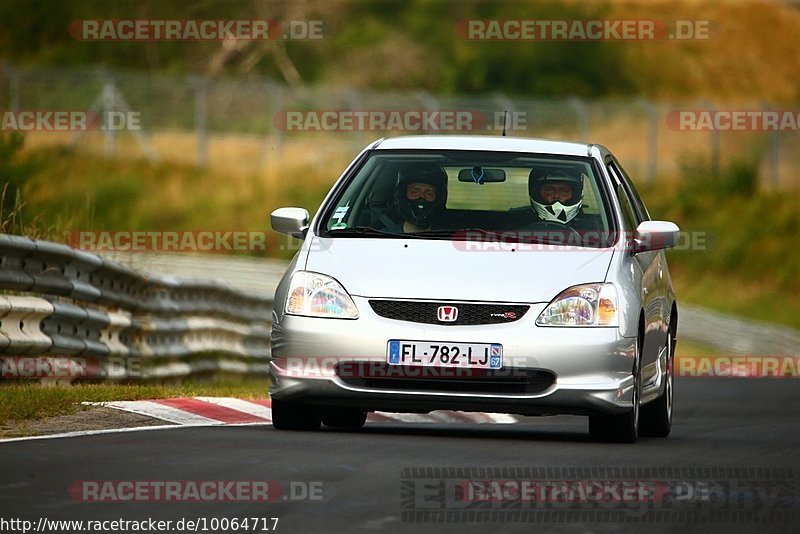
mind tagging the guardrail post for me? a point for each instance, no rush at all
(774, 158)
(22, 325)
(582, 116)
(274, 135)
(200, 86)
(107, 104)
(652, 138)
(13, 86)
(715, 142)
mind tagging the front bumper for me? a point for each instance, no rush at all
(590, 367)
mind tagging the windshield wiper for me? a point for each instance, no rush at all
(358, 231)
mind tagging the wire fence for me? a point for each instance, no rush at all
(260, 125)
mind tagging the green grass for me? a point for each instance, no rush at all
(31, 401)
(69, 192)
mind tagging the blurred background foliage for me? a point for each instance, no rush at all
(411, 44)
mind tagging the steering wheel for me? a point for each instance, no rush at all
(572, 236)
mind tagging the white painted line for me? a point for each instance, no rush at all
(240, 405)
(440, 416)
(407, 417)
(501, 418)
(79, 433)
(478, 417)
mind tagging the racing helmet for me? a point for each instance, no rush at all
(419, 211)
(562, 212)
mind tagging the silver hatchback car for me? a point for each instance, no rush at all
(485, 274)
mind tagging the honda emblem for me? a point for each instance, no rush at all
(447, 314)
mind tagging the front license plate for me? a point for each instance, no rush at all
(445, 354)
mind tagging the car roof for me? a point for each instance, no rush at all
(482, 142)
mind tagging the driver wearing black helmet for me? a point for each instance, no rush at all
(420, 194)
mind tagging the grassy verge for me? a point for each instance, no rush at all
(30, 401)
(743, 259)
(65, 193)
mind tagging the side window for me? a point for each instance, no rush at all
(631, 221)
(628, 211)
(627, 183)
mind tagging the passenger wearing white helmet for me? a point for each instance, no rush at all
(556, 197)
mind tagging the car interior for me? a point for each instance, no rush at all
(501, 203)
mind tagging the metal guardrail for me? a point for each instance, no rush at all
(62, 303)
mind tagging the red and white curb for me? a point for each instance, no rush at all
(209, 411)
(201, 411)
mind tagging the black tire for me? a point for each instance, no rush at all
(345, 418)
(657, 415)
(293, 416)
(624, 427)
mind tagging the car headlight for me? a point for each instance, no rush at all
(583, 305)
(317, 295)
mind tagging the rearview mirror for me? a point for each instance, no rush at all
(481, 175)
(290, 221)
(655, 235)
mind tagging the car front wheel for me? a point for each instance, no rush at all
(657, 415)
(624, 427)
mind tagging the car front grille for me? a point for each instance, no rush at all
(468, 314)
(445, 380)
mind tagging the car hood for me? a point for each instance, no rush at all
(444, 270)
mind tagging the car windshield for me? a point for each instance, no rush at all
(513, 197)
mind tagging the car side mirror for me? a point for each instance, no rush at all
(290, 221)
(655, 235)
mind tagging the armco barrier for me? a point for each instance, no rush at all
(61, 302)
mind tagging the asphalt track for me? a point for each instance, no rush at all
(737, 433)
